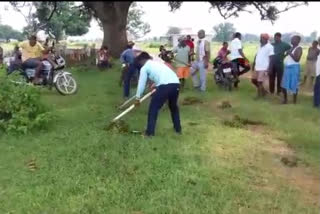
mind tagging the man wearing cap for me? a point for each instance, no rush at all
(32, 55)
(127, 58)
(201, 63)
(262, 64)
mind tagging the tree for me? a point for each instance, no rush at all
(224, 32)
(113, 16)
(55, 18)
(68, 20)
(250, 38)
(7, 33)
(135, 25)
(173, 30)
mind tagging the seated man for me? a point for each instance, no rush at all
(15, 60)
(103, 61)
(32, 55)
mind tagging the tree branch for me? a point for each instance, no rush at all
(53, 11)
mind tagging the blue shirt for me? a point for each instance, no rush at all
(157, 72)
(127, 56)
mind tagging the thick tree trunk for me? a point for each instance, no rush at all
(115, 37)
(113, 16)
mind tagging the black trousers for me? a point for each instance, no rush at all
(164, 93)
(276, 73)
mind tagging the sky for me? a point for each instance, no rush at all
(196, 15)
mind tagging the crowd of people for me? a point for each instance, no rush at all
(276, 64)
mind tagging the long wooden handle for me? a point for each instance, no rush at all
(126, 102)
(133, 105)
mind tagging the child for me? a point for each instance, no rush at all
(224, 52)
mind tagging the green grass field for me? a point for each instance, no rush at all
(211, 168)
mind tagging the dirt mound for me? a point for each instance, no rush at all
(238, 122)
(119, 127)
(191, 101)
(224, 105)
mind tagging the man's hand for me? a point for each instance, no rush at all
(137, 102)
(152, 86)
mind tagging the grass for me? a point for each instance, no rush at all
(211, 168)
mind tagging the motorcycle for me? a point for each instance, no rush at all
(62, 80)
(223, 74)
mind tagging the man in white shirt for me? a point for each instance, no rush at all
(316, 90)
(237, 57)
(262, 63)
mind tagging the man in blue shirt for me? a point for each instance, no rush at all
(127, 58)
(167, 88)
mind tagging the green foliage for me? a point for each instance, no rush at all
(154, 45)
(20, 108)
(7, 32)
(135, 25)
(66, 21)
(224, 32)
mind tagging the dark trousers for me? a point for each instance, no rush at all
(127, 79)
(316, 92)
(276, 72)
(163, 93)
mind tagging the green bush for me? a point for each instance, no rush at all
(21, 109)
(154, 45)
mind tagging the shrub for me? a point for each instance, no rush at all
(154, 45)
(21, 109)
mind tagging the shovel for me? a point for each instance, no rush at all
(132, 106)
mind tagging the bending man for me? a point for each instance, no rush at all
(167, 88)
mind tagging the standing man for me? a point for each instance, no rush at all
(201, 63)
(182, 61)
(262, 64)
(237, 57)
(280, 48)
(316, 90)
(31, 54)
(167, 88)
(190, 43)
(127, 58)
(310, 73)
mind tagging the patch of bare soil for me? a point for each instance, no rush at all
(191, 101)
(285, 164)
(225, 105)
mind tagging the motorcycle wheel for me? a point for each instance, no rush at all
(66, 85)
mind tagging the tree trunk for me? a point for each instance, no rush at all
(113, 17)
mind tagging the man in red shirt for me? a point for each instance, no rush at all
(189, 42)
